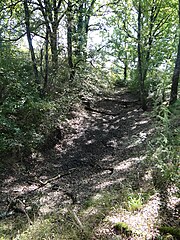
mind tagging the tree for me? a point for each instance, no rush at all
(78, 17)
(29, 38)
(70, 40)
(52, 12)
(176, 74)
(140, 64)
(84, 12)
(151, 24)
(141, 37)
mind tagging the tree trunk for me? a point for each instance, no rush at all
(125, 72)
(29, 38)
(50, 13)
(125, 64)
(69, 41)
(175, 78)
(140, 67)
(176, 74)
(46, 62)
(54, 46)
(84, 14)
(80, 33)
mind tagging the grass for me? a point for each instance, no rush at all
(86, 222)
(123, 228)
(173, 231)
(68, 223)
(135, 202)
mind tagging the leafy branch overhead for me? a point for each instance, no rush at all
(89, 119)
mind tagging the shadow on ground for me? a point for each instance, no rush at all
(100, 151)
(96, 142)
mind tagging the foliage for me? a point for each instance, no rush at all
(63, 225)
(165, 146)
(123, 228)
(171, 230)
(25, 117)
(135, 202)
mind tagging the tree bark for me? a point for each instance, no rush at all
(46, 62)
(84, 14)
(140, 67)
(69, 41)
(50, 12)
(176, 74)
(29, 38)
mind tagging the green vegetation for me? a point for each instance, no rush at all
(175, 232)
(40, 85)
(165, 147)
(68, 223)
(122, 228)
(135, 202)
(54, 56)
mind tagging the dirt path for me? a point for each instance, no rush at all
(103, 149)
(98, 151)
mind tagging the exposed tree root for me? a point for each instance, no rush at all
(101, 112)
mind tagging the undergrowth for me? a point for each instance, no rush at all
(81, 223)
(165, 148)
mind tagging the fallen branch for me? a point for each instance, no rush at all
(101, 112)
(122, 102)
(76, 220)
(15, 206)
(43, 183)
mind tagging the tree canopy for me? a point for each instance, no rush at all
(91, 84)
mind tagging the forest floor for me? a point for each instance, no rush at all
(101, 162)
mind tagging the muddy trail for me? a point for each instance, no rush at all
(102, 147)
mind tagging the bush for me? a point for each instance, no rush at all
(25, 117)
(165, 146)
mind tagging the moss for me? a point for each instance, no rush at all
(122, 228)
(168, 237)
(170, 230)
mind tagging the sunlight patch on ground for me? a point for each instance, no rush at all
(138, 139)
(9, 180)
(21, 189)
(107, 158)
(90, 212)
(141, 222)
(49, 201)
(142, 122)
(112, 143)
(128, 163)
(124, 165)
(106, 184)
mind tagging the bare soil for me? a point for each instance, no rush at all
(102, 148)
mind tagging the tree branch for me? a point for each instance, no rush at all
(14, 39)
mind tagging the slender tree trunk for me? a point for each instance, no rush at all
(46, 62)
(125, 72)
(175, 78)
(80, 32)
(55, 25)
(84, 14)
(125, 64)
(54, 45)
(50, 13)
(29, 38)
(140, 67)
(176, 74)
(41, 63)
(69, 41)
